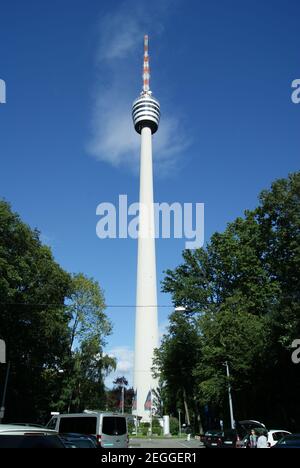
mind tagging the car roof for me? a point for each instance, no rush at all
(278, 430)
(251, 421)
(88, 414)
(16, 429)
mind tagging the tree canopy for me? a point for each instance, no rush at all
(241, 295)
(54, 327)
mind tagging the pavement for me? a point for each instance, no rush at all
(165, 443)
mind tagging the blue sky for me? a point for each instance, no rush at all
(222, 70)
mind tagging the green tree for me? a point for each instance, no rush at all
(54, 326)
(174, 364)
(87, 365)
(33, 318)
(242, 291)
(86, 308)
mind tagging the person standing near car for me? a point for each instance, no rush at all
(253, 439)
(262, 441)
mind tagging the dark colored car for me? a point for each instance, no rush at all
(290, 441)
(221, 439)
(72, 440)
(28, 436)
(232, 438)
(31, 441)
(213, 438)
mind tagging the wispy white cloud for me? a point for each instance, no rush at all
(113, 139)
(124, 357)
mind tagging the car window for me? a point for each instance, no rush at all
(83, 443)
(52, 424)
(277, 436)
(213, 433)
(292, 441)
(113, 425)
(81, 425)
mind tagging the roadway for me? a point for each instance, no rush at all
(165, 443)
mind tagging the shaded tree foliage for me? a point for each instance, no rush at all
(242, 295)
(54, 364)
(114, 396)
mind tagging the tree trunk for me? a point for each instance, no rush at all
(187, 414)
(199, 420)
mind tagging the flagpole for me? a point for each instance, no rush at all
(151, 412)
(122, 399)
(136, 411)
(136, 422)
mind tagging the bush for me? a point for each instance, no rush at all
(174, 425)
(144, 428)
(131, 427)
(157, 431)
(156, 427)
(155, 423)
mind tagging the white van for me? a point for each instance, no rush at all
(110, 429)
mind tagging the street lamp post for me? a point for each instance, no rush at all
(179, 421)
(229, 395)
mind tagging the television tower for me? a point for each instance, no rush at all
(145, 114)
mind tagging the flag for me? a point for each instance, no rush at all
(134, 401)
(148, 402)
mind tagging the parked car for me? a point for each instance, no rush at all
(213, 438)
(232, 438)
(110, 429)
(290, 441)
(78, 441)
(16, 436)
(275, 435)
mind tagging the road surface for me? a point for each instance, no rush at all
(165, 443)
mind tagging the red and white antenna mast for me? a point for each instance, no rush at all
(146, 69)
